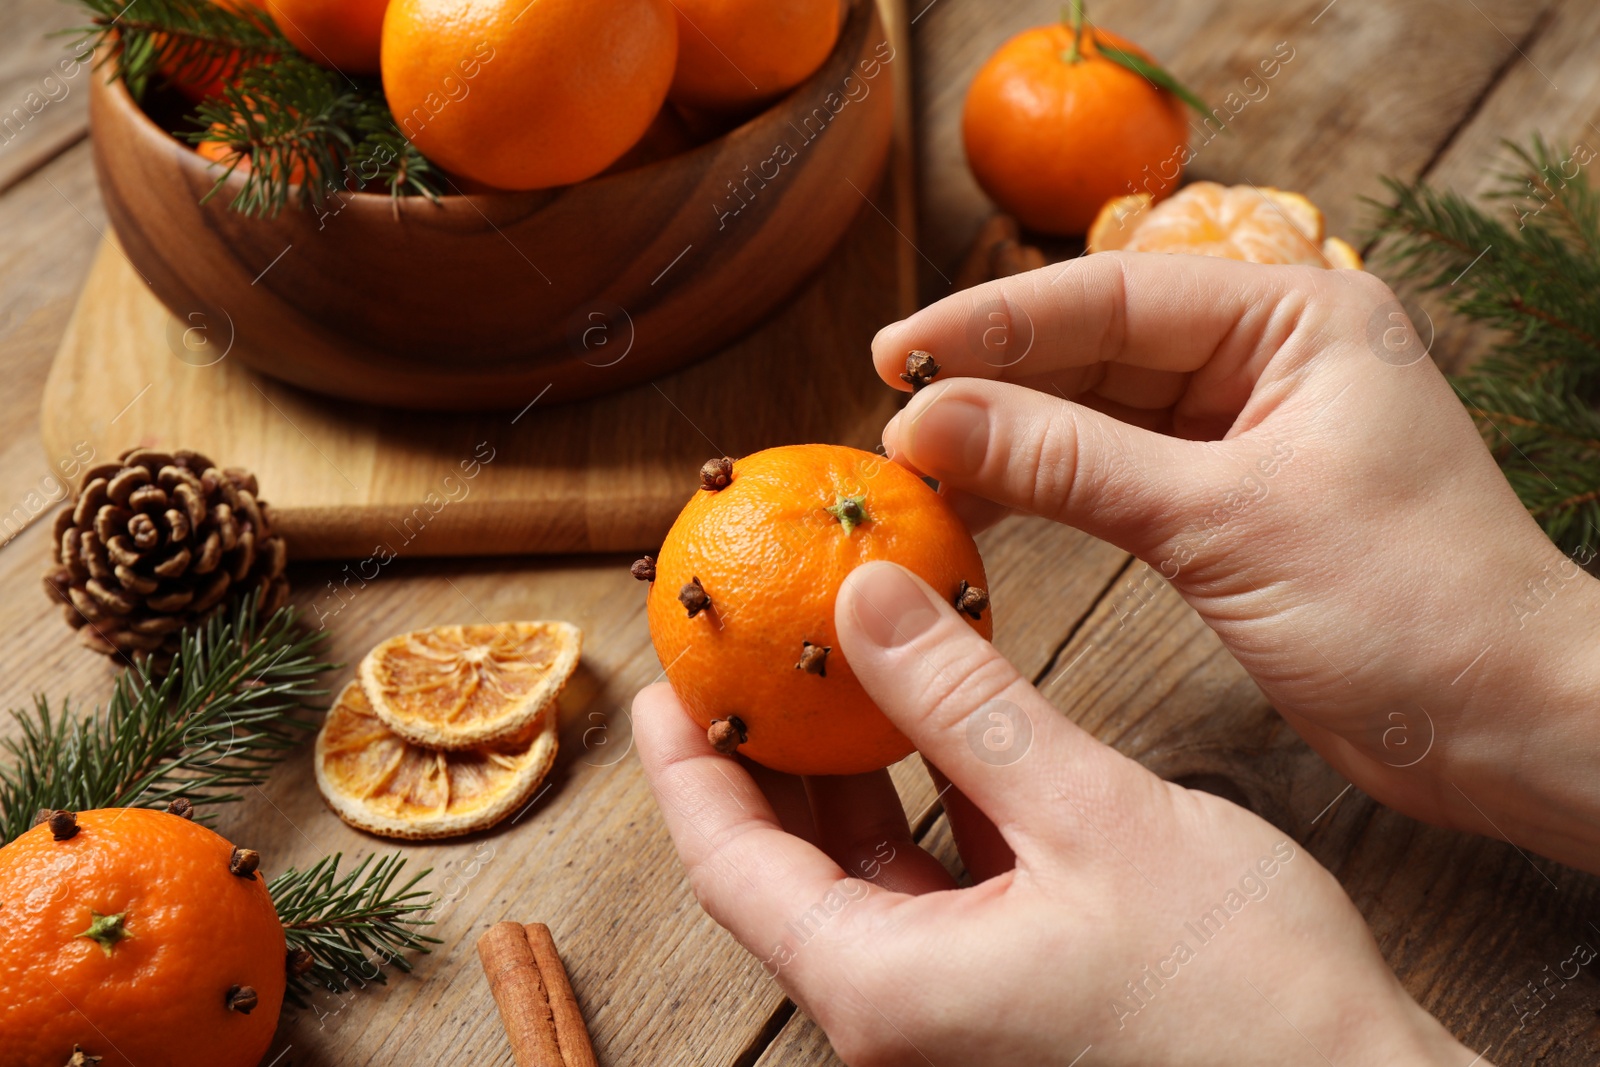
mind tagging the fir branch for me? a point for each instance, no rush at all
(286, 125)
(1536, 281)
(297, 125)
(229, 708)
(352, 926)
(1535, 278)
(295, 129)
(1550, 180)
(179, 40)
(1547, 442)
(383, 155)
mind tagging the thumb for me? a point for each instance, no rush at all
(967, 709)
(1041, 454)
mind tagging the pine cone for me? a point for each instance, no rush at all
(157, 542)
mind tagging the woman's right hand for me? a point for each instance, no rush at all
(1274, 442)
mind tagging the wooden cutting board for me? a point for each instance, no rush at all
(347, 481)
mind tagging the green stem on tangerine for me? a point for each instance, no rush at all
(1073, 16)
(106, 930)
(849, 512)
(1150, 71)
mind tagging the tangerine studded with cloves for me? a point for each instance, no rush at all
(138, 920)
(742, 608)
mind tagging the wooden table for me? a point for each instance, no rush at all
(1471, 926)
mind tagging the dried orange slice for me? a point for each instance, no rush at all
(1252, 223)
(379, 782)
(462, 686)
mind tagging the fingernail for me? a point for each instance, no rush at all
(890, 429)
(948, 438)
(890, 606)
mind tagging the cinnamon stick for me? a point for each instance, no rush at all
(515, 980)
(978, 267)
(1013, 257)
(997, 252)
(536, 1001)
(571, 1032)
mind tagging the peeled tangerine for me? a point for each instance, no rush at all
(742, 596)
(1257, 224)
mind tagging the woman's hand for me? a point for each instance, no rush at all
(1141, 923)
(1273, 441)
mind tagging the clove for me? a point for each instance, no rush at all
(693, 596)
(971, 600)
(63, 825)
(814, 659)
(726, 735)
(242, 999)
(920, 369)
(715, 474)
(244, 862)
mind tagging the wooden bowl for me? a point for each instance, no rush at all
(486, 300)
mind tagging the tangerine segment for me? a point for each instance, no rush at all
(771, 556)
(377, 781)
(527, 94)
(1118, 218)
(1340, 255)
(461, 686)
(1244, 222)
(156, 994)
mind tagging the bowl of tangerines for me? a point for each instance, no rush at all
(457, 203)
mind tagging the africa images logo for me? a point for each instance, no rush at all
(1252, 887)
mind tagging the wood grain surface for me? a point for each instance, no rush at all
(1468, 924)
(43, 87)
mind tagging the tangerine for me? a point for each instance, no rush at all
(133, 941)
(202, 81)
(1257, 224)
(527, 94)
(1053, 128)
(742, 593)
(341, 34)
(735, 54)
